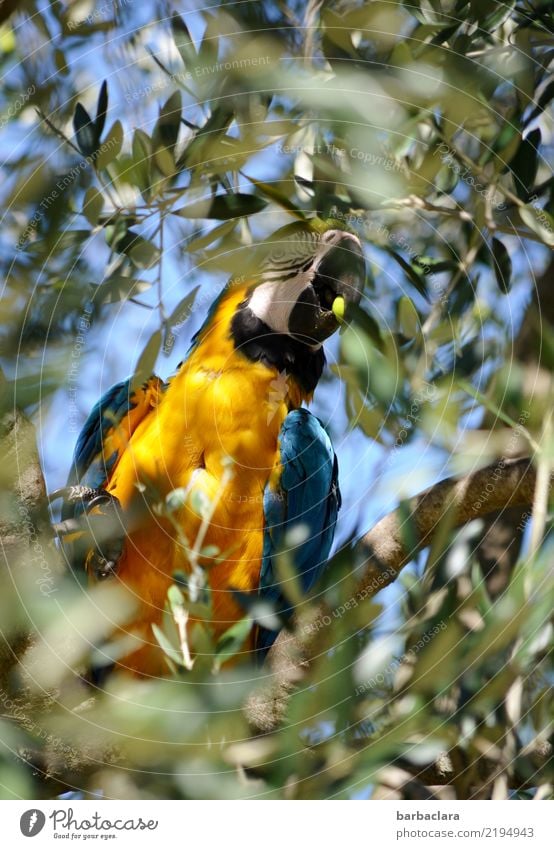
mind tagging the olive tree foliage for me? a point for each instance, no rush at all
(146, 149)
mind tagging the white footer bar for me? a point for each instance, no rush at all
(278, 825)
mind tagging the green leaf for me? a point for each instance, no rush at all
(223, 207)
(85, 131)
(200, 503)
(414, 276)
(481, 8)
(111, 146)
(119, 288)
(93, 204)
(361, 318)
(373, 368)
(141, 252)
(182, 310)
(175, 598)
(178, 316)
(210, 551)
(164, 161)
(166, 645)
(488, 404)
(436, 265)
(212, 235)
(197, 151)
(167, 126)
(407, 317)
(539, 221)
(61, 62)
(232, 641)
(176, 499)
(141, 151)
(502, 265)
(29, 389)
(525, 163)
(147, 360)
(101, 109)
(183, 41)
(369, 419)
(278, 197)
(67, 239)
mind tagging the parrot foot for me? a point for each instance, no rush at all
(98, 522)
(105, 521)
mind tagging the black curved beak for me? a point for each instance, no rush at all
(341, 273)
(338, 285)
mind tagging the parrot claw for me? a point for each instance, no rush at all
(103, 560)
(100, 567)
(100, 526)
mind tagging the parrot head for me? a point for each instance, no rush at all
(307, 277)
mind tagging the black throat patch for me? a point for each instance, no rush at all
(253, 338)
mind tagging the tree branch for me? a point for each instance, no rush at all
(380, 555)
(23, 516)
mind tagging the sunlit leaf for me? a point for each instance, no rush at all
(167, 126)
(183, 41)
(219, 232)
(147, 360)
(408, 319)
(119, 288)
(539, 221)
(232, 641)
(165, 644)
(111, 146)
(93, 204)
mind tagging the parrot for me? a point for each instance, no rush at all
(244, 469)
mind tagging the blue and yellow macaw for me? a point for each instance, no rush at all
(237, 398)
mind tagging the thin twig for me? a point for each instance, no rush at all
(181, 617)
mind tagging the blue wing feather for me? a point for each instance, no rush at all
(307, 495)
(96, 452)
(89, 466)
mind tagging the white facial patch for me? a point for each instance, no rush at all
(273, 302)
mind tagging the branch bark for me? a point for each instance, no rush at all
(23, 515)
(381, 555)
